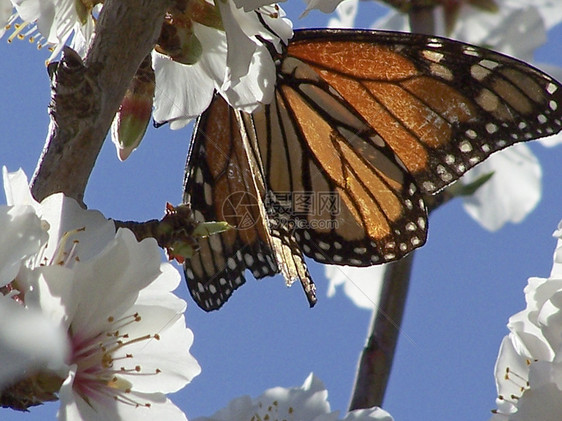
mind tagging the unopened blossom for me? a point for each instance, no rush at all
(306, 403)
(124, 336)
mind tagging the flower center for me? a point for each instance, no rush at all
(104, 362)
(521, 383)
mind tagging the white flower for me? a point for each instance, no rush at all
(111, 297)
(51, 22)
(361, 285)
(529, 367)
(29, 342)
(346, 13)
(517, 29)
(514, 189)
(305, 403)
(233, 62)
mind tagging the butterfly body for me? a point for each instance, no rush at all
(363, 124)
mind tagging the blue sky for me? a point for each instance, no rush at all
(466, 281)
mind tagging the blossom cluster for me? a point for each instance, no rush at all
(87, 313)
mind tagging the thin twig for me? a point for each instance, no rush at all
(377, 356)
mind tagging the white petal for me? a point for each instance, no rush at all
(326, 6)
(74, 408)
(550, 10)
(557, 264)
(64, 215)
(22, 237)
(168, 356)
(55, 18)
(375, 413)
(306, 402)
(109, 285)
(551, 141)
(241, 408)
(517, 32)
(251, 75)
(513, 191)
(159, 292)
(249, 5)
(361, 285)
(48, 289)
(31, 10)
(182, 92)
(346, 13)
(6, 10)
(509, 359)
(161, 408)
(257, 86)
(16, 188)
(240, 47)
(543, 403)
(28, 341)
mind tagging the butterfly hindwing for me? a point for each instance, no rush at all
(224, 183)
(220, 184)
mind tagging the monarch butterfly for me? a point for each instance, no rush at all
(369, 121)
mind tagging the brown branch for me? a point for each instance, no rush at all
(376, 359)
(87, 95)
(377, 356)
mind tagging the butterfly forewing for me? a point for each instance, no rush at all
(351, 201)
(442, 106)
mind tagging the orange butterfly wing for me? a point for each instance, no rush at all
(442, 106)
(363, 123)
(223, 182)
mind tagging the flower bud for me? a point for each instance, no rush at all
(131, 121)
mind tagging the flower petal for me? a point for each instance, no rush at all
(16, 188)
(28, 341)
(138, 406)
(22, 237)
(513, 191)
(182, 92)
(361, 285)
(109, 285)
(374, 413)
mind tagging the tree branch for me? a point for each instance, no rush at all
(87, 95)
(377, 356)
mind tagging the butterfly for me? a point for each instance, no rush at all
(363, 124)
